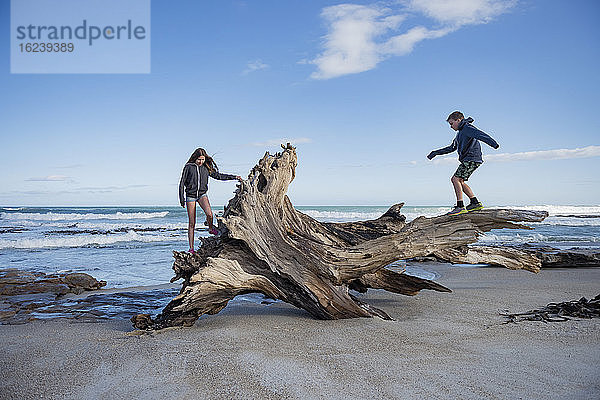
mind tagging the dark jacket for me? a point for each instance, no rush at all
(194, 181)
(467, 142)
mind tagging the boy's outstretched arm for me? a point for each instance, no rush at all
(444, 150)
(484, 137)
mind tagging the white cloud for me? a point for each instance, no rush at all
(72, 166)
(403, 44)
(375, 165)
(350, 44)
(78, 190)
(277, 142)
(108, 189)
(461, 12)
(359, 37)
(256, 65)
(558, 154)
(51, 178)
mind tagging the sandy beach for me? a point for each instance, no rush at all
(440, 346)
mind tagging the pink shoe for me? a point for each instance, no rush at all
(192, 251)
(213, 231)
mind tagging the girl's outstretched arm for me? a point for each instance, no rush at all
(224, 177)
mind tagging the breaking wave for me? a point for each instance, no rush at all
(571, 221)
(356, 214)
(83, 241)
(536, 238)
(52, 216)
(559, 210)
(327, 216)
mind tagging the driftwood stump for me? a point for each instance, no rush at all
(266, 246)
(523, 256)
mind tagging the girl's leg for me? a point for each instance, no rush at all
(205, 204)
(191, 210)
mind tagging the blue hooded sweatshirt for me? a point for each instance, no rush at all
(467, 142)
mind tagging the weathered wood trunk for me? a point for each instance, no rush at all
(509, 257)
(528, 257)
(267, 246)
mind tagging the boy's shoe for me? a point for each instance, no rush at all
(475, 206)
(457, 210)
(213, 231)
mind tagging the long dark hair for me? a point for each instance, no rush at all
(208, 160)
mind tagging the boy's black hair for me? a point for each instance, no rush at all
(456, 115)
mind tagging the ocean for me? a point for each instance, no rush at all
(132, 246)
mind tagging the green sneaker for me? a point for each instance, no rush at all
(458, 210)
(474, 206)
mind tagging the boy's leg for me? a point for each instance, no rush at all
(205, 204)
(467, 189)
(462, 174)
(474, 204)
(460, 207)
(457, 183)
(191, 211)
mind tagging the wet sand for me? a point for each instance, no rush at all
(441, 345)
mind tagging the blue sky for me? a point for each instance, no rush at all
(362, 88)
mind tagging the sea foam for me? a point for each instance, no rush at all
(554, 210)
(326, 216)
(570, 221)
(83, 241)
(371, 213)
(518, 238)
(51, 216)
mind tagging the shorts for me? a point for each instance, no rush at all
(194, 199)
(465, 169)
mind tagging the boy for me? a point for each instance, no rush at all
(469, 154)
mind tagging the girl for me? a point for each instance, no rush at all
(194, 186)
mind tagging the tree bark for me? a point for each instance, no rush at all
(266, 246)
(528, 257)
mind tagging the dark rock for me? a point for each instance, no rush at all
(24, 292)
(560, 312)
(7, 310)
(27, 296)
(16, 229)
(6, 314)
(15, 276)
(573, 257)
(106, 232)
(142, 321)
(33, 287)
(78, 232)
(424, 259)
(578, 216)
(83, 281)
